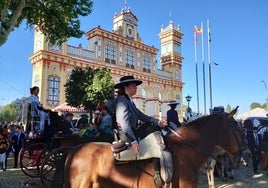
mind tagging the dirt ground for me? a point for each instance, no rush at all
(244, 178)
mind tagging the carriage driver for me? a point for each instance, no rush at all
(127, 116)
(38, 114)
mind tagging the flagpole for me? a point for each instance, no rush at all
(209, 65)
(196, 69)
(203, 61)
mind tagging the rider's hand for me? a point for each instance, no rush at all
(163, 123)
(135, 147)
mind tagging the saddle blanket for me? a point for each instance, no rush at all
(150, 147)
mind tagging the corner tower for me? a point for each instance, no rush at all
(171, 59)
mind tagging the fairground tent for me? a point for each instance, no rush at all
(256, 112)
(66, 108)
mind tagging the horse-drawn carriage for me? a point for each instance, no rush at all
(39, 156)
(40, 153)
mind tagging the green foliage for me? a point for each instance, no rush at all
(228, 108)
(255, 105)
(9, 113)
(57, 19)
(88, 87)
(102, 85)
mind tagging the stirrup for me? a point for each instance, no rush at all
(157, 179)
(167, 185)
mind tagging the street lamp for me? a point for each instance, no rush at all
(188, 99)
(265, 86)
(210, 83)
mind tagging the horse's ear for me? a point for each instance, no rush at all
(232, 113)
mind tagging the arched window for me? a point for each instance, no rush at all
(143, 94)
(53, 90)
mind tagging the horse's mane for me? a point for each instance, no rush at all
(200, 122)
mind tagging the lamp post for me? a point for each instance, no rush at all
(265, 86)
(188, 99)
(210, 83)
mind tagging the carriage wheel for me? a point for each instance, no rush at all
(48, 167)
(31, 158)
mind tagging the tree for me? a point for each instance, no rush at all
(57, 19)
(102, 86)
(228, 108)
(9, 113)
(255, 105)
(88, 87)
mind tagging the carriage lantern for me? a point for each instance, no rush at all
(188, 99)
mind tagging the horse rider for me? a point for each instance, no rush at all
(127, 117)
(172, 114)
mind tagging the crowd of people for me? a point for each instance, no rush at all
(257, 143)
(12, 139)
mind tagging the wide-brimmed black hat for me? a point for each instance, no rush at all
(126, 80)
(173, 103)
(84, 115)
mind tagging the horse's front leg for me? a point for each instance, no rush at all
(223, 168)
(210, 173)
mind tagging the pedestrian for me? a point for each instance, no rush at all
(254, 141)
(4, 142)
(11, 131)
(265, 147)
(18, 142)
(105, 129)
(82, 122)
(67, 125)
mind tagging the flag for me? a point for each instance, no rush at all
(197, 31)
(209, 35)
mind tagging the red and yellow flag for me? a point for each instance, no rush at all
(197, 31)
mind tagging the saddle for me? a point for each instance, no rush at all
(151, 147)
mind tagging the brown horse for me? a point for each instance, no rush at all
(92, 165)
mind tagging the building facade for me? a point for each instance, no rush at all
(123, 52)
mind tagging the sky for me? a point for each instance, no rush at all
(239, 45)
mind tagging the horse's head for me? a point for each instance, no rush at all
(232, 136)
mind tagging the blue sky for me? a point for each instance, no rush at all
(239, 44)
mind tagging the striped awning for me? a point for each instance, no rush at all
(66, 108)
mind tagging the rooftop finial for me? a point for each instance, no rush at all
(125, 5)
(170, 15)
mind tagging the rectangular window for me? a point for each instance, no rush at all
(110, 53)
(53, 90)
(146, 62)
(130, 57)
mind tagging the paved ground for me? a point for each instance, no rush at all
(15, 178)
(244, 178)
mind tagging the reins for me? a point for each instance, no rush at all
(179, 136)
